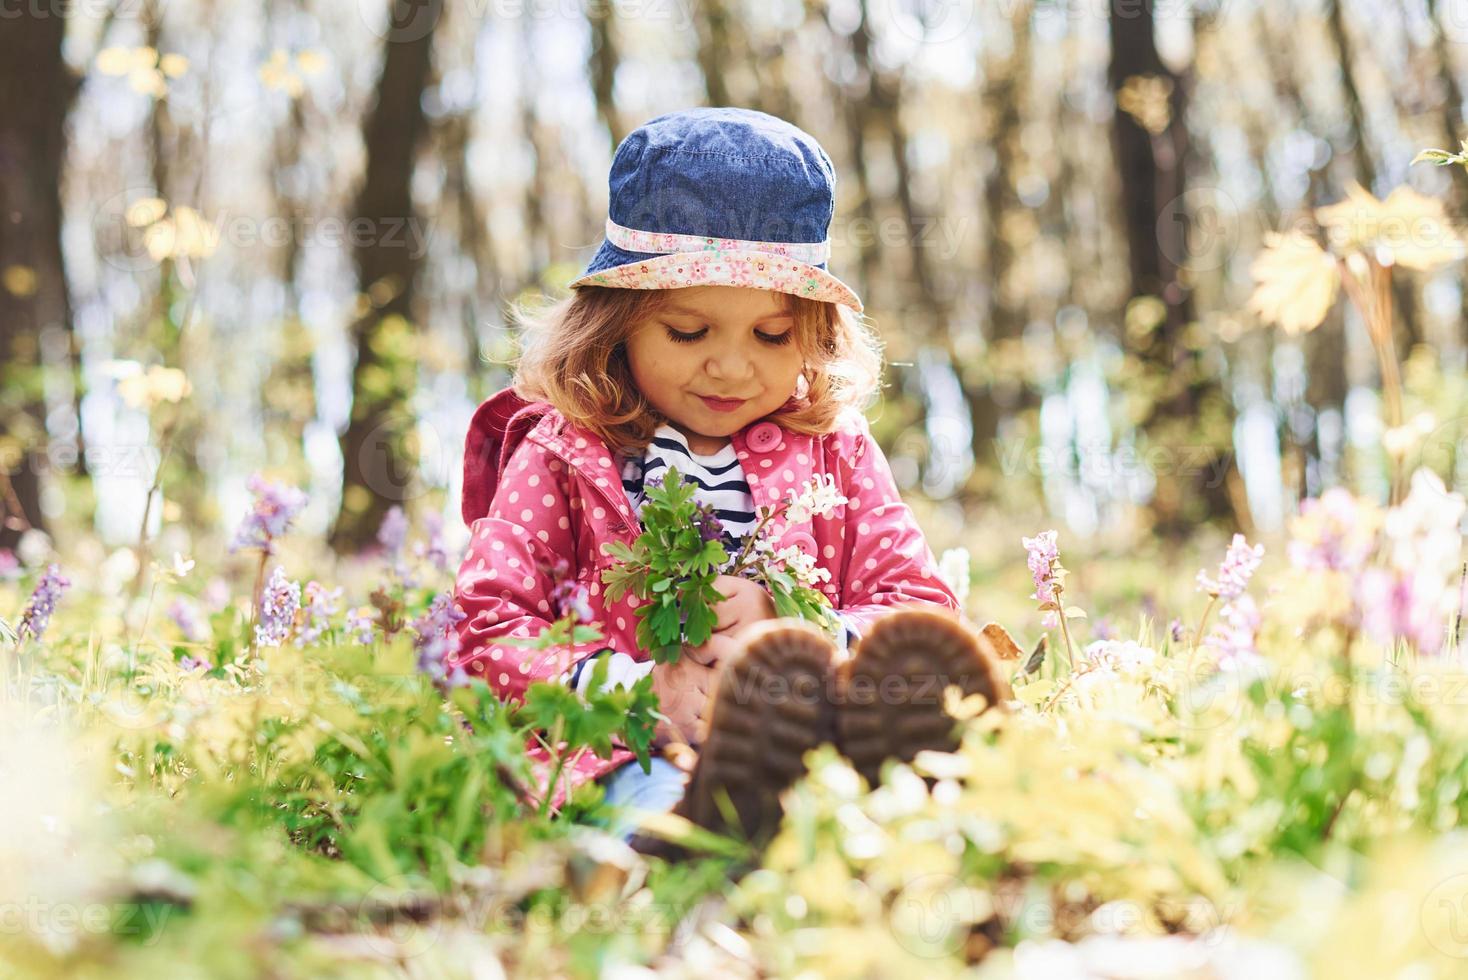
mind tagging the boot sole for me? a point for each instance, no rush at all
(891, 703)
(772, 706)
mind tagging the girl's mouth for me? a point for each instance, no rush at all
(722, 404)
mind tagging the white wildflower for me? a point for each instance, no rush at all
(181, 566)
(954, 569)
(818, 498)
(1424, 531)
(802, 565)
(1123, 656)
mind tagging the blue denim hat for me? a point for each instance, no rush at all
(721, 196)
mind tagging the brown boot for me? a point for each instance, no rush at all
(772, 705)
(890, 693)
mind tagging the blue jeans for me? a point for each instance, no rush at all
(633, 792)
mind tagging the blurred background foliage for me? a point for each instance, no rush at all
(281, 236)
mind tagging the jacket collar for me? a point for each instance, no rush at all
(584, 452)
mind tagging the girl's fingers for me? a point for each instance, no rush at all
(701, 655)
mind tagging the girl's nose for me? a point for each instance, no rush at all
(730, 364)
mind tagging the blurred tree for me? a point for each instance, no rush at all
(378, 447)
(1453, 129)
(1325, 348)
(711, 18)
(1403, 298)
(453, 136)
(852, 96)
(602, 68)
(288, 397)
(1188, 412)
(176, 169)
(36, 93)
(537, 138)
(990, 393)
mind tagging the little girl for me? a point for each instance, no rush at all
(707, 335)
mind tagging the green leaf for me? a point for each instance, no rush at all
(1441, 158)
(664, 622)
(1037, 656)
(700, 625)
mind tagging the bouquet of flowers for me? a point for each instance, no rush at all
(673, 564)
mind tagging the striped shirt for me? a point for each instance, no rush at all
(718, 480)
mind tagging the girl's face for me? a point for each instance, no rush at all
(714, 359)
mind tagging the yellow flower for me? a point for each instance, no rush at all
(146, 70)
(1296, 282)
(1144, 98)
(286, 72)
(1407, 229)
(158, 384)
(186, 234)
(145, 211)
(18, 280)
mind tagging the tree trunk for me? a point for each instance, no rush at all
(852, 102)
(36, 93)
(1453, 133)
(603, 68)
(1151, 146)
(378, 457)
(713, 23)
(990, 397)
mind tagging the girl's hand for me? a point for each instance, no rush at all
(714, 651)
(683, 691)
(745, 602)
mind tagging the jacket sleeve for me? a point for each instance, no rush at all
(505, 583)
(886, 561)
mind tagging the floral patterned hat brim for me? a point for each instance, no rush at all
(716, 267)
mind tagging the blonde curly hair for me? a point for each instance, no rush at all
(574, 356)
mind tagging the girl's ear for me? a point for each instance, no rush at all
(802, 384)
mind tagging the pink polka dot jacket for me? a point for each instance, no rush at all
(537, 488)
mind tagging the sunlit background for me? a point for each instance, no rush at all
(1051, 211)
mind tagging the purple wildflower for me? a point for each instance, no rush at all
(9, 564)
(187, 662)
(276, 505)
(1238, 565)
(1398, 605)
(1177, 630)
(1334, 532)
(1044, 556)
(279, 601)
(42, 603)
(434, 551)
(392, 533)
(216, 594)
(1234, 637)
(710, 528)
(185, 615)
(1103, 630)
(567, 597)
(321, 605)
(360, 624)
(437, 640)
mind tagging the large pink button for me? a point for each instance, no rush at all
(803, 540)
(763, 437)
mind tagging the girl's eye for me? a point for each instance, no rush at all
(679, 337)
(775, 340)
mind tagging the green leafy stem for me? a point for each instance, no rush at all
(673, 564)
